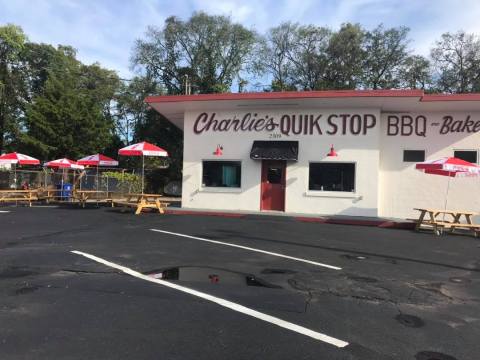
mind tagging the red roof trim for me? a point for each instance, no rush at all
(451, 97)
(285, 95)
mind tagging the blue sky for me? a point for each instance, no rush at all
(104, 30)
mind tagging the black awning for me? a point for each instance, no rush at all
(274, 150)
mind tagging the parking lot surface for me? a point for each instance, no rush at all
(98, 284)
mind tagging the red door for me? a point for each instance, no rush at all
(273, 185)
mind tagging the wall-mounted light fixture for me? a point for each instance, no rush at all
(218, 151)
(332, 152)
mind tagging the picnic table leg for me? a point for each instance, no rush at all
(159, 206)
(468, 217)
(140, 207)
(420, 220)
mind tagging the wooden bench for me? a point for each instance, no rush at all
(18, 195)
(82, 196)
(142, 201)
(438, 226)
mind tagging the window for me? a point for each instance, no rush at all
(413, 155)
(467, 155)
(221, 174)
(327, 176)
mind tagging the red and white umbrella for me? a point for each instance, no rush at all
(143, 149)
(18, 159)
(15, 159)
(450, 167)
(64, 164)
(97, 160)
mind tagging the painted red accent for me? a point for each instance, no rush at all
(285, 95)
(320, 220)
(332, 152)
(203, 213)
(451, 97)
(314, 94)
(272, 194)
(218, 151)
(378, 223)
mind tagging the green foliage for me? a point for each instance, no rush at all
(415, 73)
(70, 117)
(457, 61)
(346, 55)
(386, 50)
(127, 183)
(12, 42)
(210, 50)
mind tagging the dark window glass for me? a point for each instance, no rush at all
(274, 175)
(467, 155)
(332, 177)
(221, 174)
(413, 155)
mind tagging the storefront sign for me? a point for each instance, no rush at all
(288, 124)
(335, 124)
(406, 125)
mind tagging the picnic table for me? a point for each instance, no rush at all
(18, 195)
(142, 201)
(437, 222)
(82, 196)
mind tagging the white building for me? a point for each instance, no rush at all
(275, 146)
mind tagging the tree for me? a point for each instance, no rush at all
(12, 41)
(271, 56)
(345, 57)
(157, 129)
(130, 108)
(71, 116)
(307, 54)
(386, 50)
(457, 60)
(415, 73)
(210, 50)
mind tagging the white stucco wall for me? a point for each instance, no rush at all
(362, 149)
(403, 188)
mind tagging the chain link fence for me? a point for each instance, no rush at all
(122, 181)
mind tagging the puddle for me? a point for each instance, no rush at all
(15, 272)
(278, 271)
(26, 290)
(362, 279)
(432, 355)
(459, 280)
(353, 257)
(410, 320)
(210, 275)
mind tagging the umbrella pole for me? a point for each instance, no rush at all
(98, 186)
(446, 196)
(143, 174)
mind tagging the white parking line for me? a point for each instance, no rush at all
(4, 211)
(250, 249)
(222, 302)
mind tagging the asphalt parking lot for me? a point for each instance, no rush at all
(199, 287)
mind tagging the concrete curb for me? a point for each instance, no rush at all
(381, 223)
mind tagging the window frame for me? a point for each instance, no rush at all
(221, 188)
(416, 161)
(333, 192)
(472, 150)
